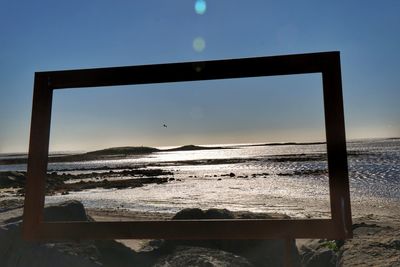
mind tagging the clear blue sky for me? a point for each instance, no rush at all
(54, 35)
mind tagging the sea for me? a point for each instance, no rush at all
(285, 178)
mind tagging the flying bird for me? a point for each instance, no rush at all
(164, 125)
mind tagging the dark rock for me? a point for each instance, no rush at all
(319, 252)
(113, 253)
(200, 256)
(187, 214)
(306, 253)
(16, 252)
(284, 174)
(251, 215)
(323, 257)
(10, 179)
(119, 184)
(218, 214)
(395, 244)
(232, 174)
(67, 211)
(257, 252)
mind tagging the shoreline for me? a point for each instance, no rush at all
(385, 208)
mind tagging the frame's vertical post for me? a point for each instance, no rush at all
(336, 146)
(287, 254)
(38, 157)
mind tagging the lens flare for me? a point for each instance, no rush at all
(200, 7)
(199, 44)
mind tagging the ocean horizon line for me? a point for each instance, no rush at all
(80, 151)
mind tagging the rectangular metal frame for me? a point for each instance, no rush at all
(326, 63)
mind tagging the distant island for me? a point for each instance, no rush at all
(289, 144)
(109, 153)
(126, 150)
(129, 151)
(193, 147)
(140, 150)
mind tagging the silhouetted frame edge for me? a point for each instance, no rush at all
(339, 226)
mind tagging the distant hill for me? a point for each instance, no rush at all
(193, 147)
(126, 150)
(289, 144)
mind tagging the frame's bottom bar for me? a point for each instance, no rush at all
(192, 229)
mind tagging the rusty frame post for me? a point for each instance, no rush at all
(38, 156)
(327, 63)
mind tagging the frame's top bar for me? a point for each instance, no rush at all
(191, 71)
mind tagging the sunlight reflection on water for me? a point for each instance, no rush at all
(260, 181)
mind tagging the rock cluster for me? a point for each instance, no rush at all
(58, 182)
(15, 252)
(256, 252)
